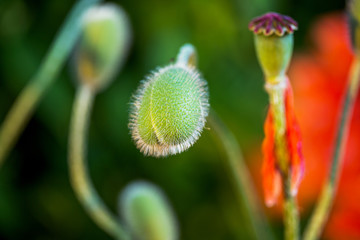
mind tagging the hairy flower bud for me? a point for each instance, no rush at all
(169, 110)
(103, 45)
(147, 212)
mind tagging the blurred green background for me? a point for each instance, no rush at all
(36, 201)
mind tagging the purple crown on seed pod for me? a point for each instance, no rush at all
(273, 23)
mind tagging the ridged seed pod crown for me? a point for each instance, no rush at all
(273, 43)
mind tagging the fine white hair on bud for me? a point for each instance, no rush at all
(169, 110)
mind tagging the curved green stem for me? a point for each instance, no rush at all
(79, 176)
(325, 202)
(244, 186)
(30, 96)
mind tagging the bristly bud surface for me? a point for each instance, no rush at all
(169, 110)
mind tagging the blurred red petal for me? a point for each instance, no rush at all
(319, 80)
(271, 176)
(294, 141)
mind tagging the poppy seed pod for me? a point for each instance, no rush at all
(282, 146)
(147, 212)
(169, 109)
(273, 43)
(103, 45)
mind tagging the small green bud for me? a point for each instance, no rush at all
(147, 212)
(187, 55)
(169, 109)
(103, 45)
(273, 42)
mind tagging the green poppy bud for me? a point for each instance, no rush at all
(274, 43)
(147, 212)
(103, 45)
(169, 110)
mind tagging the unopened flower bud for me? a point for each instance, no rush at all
(169, 109)
(147, 212)
(103, 45)
(273, 43)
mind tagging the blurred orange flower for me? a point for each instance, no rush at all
(319, 77)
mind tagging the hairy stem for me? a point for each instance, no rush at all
(79, 176)
(244, 186)
(28, 99)
(325, 202)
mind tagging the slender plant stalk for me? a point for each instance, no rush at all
(244, 186)
(325, 202)
(79, 176)
(28, 99)
(291, 215)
